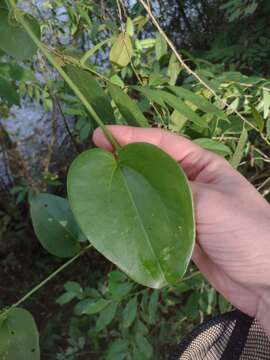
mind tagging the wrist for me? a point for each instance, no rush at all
(263, 312)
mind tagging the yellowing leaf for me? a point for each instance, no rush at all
(121, 51)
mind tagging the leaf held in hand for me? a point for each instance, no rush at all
(137, 211)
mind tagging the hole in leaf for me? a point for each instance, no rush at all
(12, 332)
(33, 350)
(45, 205)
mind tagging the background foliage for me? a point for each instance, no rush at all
(92, 310)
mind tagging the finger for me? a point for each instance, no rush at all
(175, 146)
(192, 157)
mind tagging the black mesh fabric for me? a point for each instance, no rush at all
(232, 336)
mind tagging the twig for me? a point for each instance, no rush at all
(45, 281)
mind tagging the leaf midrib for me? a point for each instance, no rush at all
(141, 223)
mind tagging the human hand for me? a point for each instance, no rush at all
(233, 220)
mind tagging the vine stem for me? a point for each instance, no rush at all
(45, 281)
(64, 75)
(193, 73)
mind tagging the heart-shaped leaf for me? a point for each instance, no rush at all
(13, 39)
(19, 338)
(137, 211)
(55, 226)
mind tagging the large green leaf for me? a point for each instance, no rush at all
(55, 226)
(93, 92)
(127, 107)
(122, 50)
(137, 211)
(14, 40)
(19, 338)
(198, 101)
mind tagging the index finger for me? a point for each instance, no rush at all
(177, 147)
(192, 157)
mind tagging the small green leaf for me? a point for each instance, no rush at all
(198, 101)
(15, 72)
(121, 52)
(55, 225)
(178, 121)
(239, 151)
(93, 92)
(174, 69)
(119, 291)
(266, 103)
(151, 94)
(106, 317)
(127, 107)
(130, 27)
(181, 107)
(130, 312)
(140, 328)
(73, 287)
(19, 338)
(14, 40)
(214, 146)
(146, 43)
(65, 298)
(161, 46)
(136, 210)
(258, 118)
(144, 346)
(90, 307)
(152, 307)
(163, 97)
(268, 128)
(115, 79)
(116, 348)
(8, 92)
